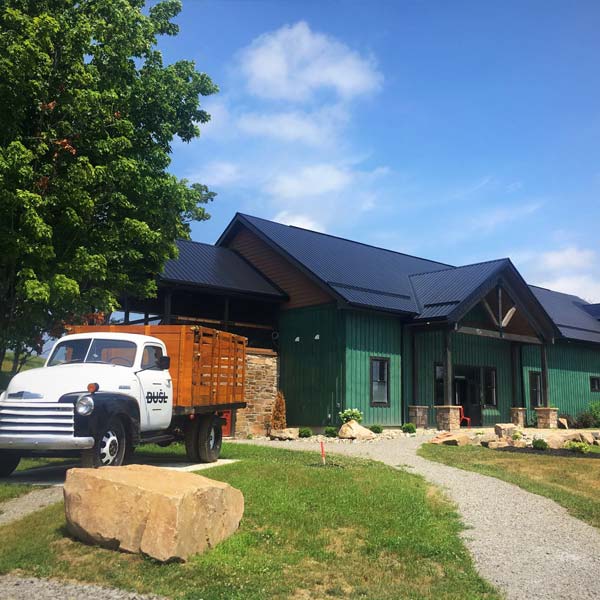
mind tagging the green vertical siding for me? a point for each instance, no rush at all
(467, 350)
(311, 369)
(367, 336)
(570, 365)
(407, 371)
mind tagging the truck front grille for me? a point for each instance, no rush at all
(36, 418)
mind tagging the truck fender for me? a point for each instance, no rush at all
(106, 406)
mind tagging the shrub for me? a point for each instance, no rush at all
(595, 411)
(376, 428)
(580, 447)
(305, 432)
(278, 420)
(331, 431)
(351, 414)
(409, 428)
(517, 435)
(540, 444)
(585, 420)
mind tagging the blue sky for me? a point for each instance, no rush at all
(456, 131)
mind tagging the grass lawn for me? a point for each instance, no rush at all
(32, 363)
(354, 529)
(573, 482)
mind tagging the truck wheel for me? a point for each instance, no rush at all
(8, 463)
(190, 435)
(210, 439)
(110, 447)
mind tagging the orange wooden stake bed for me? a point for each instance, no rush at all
(208, 367)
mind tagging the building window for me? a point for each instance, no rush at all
(380, 381)
(535, 389)
(490, 395)
(439, 384)
(595, 384)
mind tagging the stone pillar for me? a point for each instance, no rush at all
(447, 417)
(419, 416)
(518, 416)
(547, 418)
(261, 392)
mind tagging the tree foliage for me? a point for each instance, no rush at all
(88, 210)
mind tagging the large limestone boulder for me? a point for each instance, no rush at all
(352, 430)
(168, 515)
(455, 439)
(286, 435)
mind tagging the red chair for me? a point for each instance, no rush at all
(462, 416)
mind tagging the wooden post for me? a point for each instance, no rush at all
(226, 313)
(448, 371)
(500, 327)
(146, 318)
(167, 307)
(544, 357)
(126, 310)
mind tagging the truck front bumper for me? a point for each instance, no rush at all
(45, 442)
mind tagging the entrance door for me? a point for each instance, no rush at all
(467, 387)
(157, 391)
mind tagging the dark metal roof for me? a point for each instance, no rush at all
(357, 273)
(380, 279)
(440, 292)
(570, 314)
(210, 266)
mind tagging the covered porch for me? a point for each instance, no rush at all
(471, 357)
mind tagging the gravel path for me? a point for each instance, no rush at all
(526, 545)
(26, 588)
(17, 508)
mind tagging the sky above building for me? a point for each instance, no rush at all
(457, 131)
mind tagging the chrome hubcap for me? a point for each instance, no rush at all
(211, 438)
(109, 448)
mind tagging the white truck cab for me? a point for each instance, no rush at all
(97, 393)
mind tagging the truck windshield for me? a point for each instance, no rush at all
(88, 350)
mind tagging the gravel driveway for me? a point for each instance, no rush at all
(526, 545)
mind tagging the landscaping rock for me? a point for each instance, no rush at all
(291, 433)
(165, 514)
(562, 423)
(486, 438)
(497, 445)
(352, 430)
(504, 430)
(587, 437)
(555, 442)
(452, 439)
(519, 444)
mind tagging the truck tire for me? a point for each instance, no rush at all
(190, 434)
(110, 448)
(210, 439)
(8, 463)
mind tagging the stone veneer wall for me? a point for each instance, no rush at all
(262, 368)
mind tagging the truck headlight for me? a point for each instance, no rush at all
(84, 406)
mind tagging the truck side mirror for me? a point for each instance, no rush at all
(164, 363)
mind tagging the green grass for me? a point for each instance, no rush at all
(573, 482)
(32, 363)
(354, 529)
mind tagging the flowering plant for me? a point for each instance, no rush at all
(351, 414)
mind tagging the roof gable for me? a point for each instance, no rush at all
(356, 273)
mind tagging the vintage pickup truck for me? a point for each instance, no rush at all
(105, 390)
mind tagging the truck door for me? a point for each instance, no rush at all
(157, 390)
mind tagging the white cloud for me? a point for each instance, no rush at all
(313, 128)
(488, 221)
(568, 258)
(217, 173)
(219, 118)
(584, 286)
(313, 180)
(293, 63)
(299, 220)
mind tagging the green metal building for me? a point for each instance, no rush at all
(357, 326)
(367, 328)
